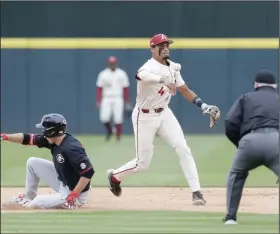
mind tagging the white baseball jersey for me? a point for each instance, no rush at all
(156, 95)
(112, 82)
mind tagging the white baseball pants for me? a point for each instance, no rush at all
(111, 107)
(40, 169)
(165, 124)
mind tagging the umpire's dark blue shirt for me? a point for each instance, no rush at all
(69, 158)
(258, 109)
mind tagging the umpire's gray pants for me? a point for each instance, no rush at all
(259, 148)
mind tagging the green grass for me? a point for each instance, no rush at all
(213, 155)
(135, 222)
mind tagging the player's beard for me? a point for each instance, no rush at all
(164, 57)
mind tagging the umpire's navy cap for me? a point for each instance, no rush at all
(266, 77)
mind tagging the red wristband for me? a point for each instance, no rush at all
(75, 194)
(4, 136)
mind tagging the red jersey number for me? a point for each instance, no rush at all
(161, 91)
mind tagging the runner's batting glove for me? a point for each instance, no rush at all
(71, 198)
(4, 137)
(214, 113)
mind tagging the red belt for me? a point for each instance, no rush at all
(158, 110)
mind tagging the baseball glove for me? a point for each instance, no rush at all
(214, 113)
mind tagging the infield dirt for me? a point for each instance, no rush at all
(254, 200)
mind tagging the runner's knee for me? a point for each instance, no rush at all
(31, 162)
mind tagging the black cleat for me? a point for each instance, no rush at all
(198, 199)
(114, 188)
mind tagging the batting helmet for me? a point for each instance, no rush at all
(158, 39)
(53, 125)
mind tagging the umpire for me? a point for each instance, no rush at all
(252, 125)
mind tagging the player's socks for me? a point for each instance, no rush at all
(115, 181)
(118, 131)
(109, 130)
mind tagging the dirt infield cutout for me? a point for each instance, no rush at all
(254, 200)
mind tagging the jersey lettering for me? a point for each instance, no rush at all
(163, 37)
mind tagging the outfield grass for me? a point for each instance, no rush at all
(213, 155)
(134, 221)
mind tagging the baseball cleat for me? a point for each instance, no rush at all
(230, 221)
(21, 199)
(198, 199)
(114, 188)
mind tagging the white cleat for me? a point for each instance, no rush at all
(21, 199)
(230, 221)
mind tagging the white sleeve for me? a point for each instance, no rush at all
(125, 80)
(100, 79)
(148, 77)
(179, 80)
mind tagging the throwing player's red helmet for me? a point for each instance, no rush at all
(158, 39)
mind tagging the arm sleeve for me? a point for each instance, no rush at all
(233, 122)
(99, 82)
(41, 142)
(179, 80)
(79, 160)
(98, 95)
(145, 76)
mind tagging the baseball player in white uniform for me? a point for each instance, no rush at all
(112, 90)
(157, 81)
